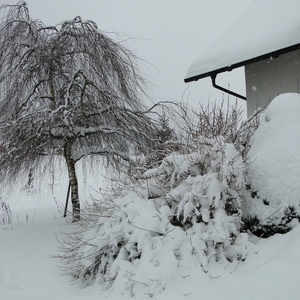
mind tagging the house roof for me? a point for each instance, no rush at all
(266, 28)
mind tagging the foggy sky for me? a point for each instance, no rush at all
(166, 34)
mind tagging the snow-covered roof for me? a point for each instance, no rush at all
(263, 28)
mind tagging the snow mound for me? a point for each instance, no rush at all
(274, 170)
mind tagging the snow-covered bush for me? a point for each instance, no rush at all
(5, 213)
(273, 202)
(183, 215)
(166, 141)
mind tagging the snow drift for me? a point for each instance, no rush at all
(274, 169)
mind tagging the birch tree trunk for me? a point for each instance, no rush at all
(72, 179)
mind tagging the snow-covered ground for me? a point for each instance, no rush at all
(28, 270)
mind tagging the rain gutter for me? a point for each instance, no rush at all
(213, 79)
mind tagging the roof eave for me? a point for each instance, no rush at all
(272, 54)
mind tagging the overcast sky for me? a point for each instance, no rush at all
(167, 34)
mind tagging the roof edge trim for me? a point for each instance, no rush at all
(273, 54)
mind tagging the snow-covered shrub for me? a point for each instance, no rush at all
(183, 215)
(203, 190)
(218, 120)
(166, 141)
(273, 202)
(5, 213)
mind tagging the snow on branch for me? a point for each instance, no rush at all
(77, 155)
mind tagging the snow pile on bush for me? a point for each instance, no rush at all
(183, 215)
(274, 170)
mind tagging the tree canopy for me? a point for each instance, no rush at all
(67, 90)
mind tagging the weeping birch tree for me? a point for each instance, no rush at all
(67, 90)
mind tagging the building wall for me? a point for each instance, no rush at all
(268, 78)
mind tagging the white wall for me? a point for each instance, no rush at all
(268, 78)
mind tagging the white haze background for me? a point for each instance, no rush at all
(167, 35)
